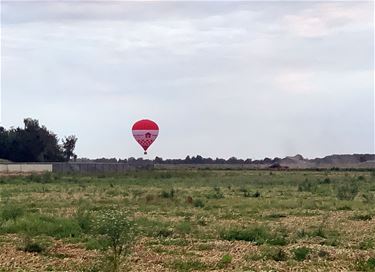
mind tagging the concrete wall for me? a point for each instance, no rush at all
(25, 168)
(89, 167)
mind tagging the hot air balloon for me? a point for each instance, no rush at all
(145, 133)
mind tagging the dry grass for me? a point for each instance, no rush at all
(174, 235)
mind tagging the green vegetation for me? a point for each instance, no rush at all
(189, 220)
(301, 253)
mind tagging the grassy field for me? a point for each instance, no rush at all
(191, 221)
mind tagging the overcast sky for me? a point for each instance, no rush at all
(244, 79)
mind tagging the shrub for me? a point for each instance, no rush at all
(301, 253)
(114, 226)
(198, 203)
(170, 194)
(278, 240)
(347, 191)
(33, 247)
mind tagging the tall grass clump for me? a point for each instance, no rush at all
(37, 224)
(11, 212)
(347, 191)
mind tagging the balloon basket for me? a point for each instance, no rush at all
(145, 153)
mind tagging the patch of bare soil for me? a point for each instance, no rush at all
(59, 257)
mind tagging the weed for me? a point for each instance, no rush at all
(188, 265)
(258, 235)
(367, 244)
(347, 191)
(33, 247)
(12, 212)
(114, 226)
(362, 217)
(301, 253)
(224, 261)
(184, 227)
(166, 194)
(307, 186)
(368, 265)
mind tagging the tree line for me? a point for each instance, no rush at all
(35, 143)
(188, 160)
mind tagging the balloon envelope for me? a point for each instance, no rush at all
(145, 133)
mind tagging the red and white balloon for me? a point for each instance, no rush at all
(145, 133)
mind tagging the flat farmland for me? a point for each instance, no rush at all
(190, 220)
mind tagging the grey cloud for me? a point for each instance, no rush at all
(221, 79)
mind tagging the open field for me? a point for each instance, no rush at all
(194, 220)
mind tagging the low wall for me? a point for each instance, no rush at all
(25, 168)
(91, 167)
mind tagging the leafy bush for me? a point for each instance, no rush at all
(301, 253)
(114, 226)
